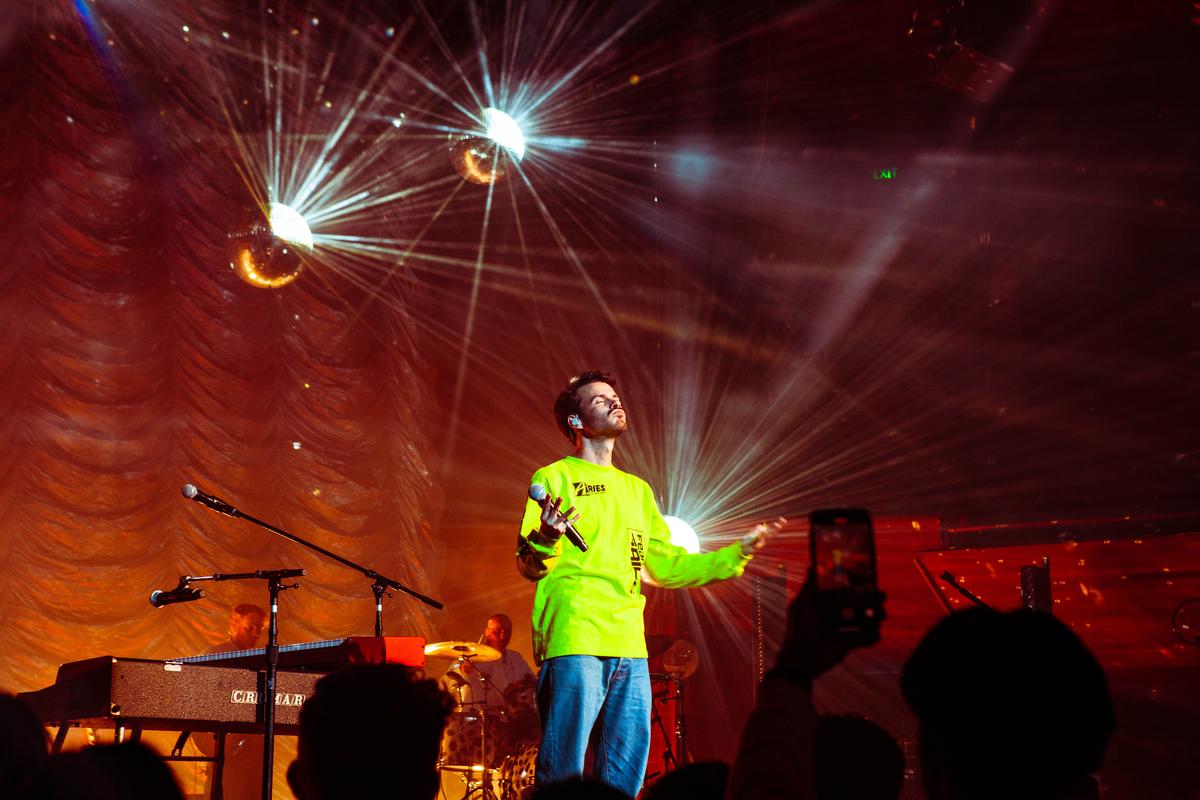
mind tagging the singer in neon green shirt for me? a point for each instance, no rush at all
(591, 603)
(588, 632)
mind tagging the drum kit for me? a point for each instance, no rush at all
(493, 746)
(490, 745)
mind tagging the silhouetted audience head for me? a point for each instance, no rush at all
(855, 759)
(104, 772)
(704, 780)
(23, 744)
(370, 731)
(579, 789)
(1009, 705)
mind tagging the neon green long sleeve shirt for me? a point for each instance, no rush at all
(591, 603)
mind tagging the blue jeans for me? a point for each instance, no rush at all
(612, 695)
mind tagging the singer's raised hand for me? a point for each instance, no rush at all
(555, 521)
(753, 541)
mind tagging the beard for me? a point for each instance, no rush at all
(610, 427)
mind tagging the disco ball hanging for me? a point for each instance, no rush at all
(487, 157)
(268, 249)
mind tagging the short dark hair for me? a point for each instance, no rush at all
(855, 758)
(567, 403)
(580, 787)
(105, 772)
(1009, 704)
(699, 780)
(249, 609)
(350, 744)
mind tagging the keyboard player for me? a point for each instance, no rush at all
(246, 625)
(242, 778)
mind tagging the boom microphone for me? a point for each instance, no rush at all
(539, 495)
(159, 598)
(215, 503)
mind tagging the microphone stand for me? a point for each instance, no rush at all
(379, 587)
(381, 582)
(949, 578)
(266, 697)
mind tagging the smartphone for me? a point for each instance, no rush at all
(842, 548)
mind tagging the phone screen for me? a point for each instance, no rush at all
(843, 551)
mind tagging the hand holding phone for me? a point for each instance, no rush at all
(842, 548)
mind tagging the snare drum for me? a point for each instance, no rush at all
(462, 742)
(524, 727)
(516, 775)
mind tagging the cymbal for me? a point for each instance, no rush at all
(681, 659)
(477, 653)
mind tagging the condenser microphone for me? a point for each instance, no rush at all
(159, 598)
(539, 495)
(215, 503)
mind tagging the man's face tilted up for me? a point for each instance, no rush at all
(601, 411)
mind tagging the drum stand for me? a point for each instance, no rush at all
(480, 789)
(674, 742)
(668, 756)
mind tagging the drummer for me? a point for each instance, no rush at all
(510, 670)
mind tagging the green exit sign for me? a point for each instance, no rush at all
(886, 174)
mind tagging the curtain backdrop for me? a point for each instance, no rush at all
(133, 360)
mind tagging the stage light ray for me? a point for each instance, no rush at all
(545, 94)
(294, 156)
(861, 461)
(549, 42)
(436, 36)
(532, 287)
(363, 168)
(510, 45)
(481, 55)
(349, 210)
(584, 189)
(468, 332)
(323, 163)
(437, 265)
(568, 250)
(331, 204)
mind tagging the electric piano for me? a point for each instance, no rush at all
(213, 693)
(325, 656)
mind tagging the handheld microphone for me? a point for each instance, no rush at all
(539, 495)
(215, 503)
(159, 598)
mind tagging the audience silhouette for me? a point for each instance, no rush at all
(1009, 705)
(703, 780)
(581, 788)
(777, 757)
(370, 731)
(855, 759)
(104, 772)
(23, 744)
